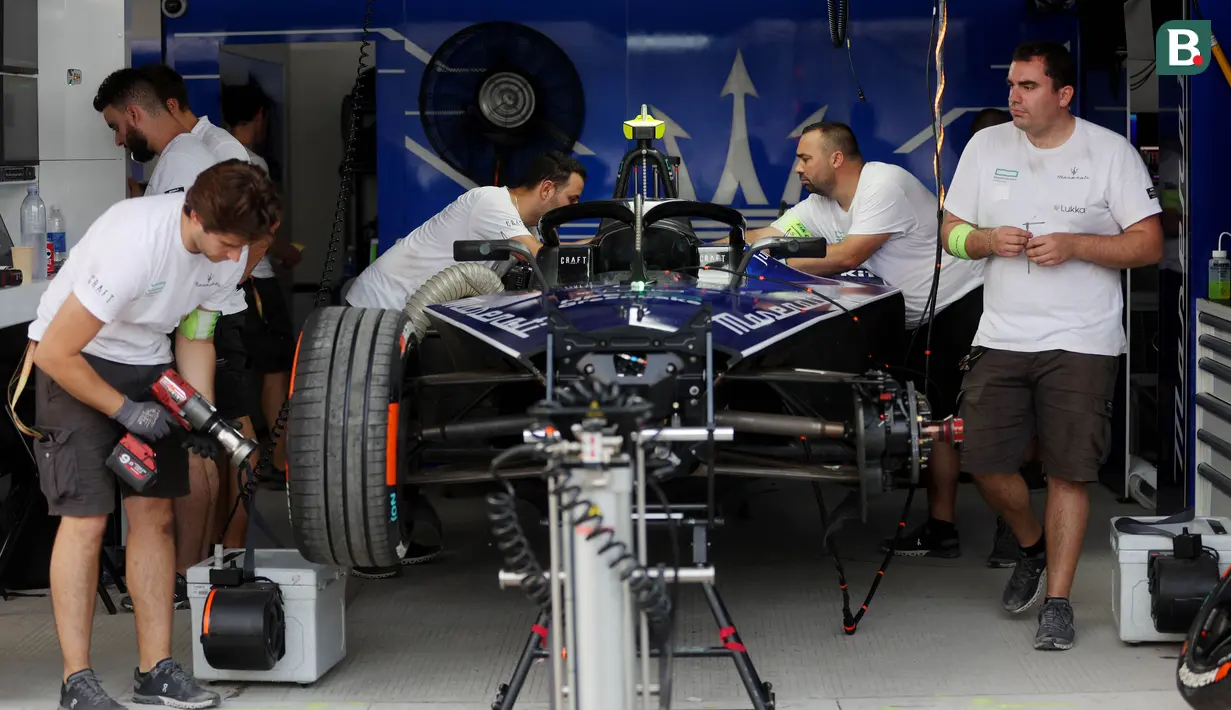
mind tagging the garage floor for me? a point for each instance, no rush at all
(444, 636)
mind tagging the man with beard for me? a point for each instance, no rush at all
(881, 217)
(133, 107)
(129, 103)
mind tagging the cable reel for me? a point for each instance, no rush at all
(243, 627)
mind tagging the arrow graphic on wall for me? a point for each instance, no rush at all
(671, 135)
(739, 171)
(794, 188)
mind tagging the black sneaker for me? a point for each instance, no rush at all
(1056, 631)
(375, 572)
(1027, 584)
(169, 684)
(179, 601)
(926, 541)
(83, 691)
(1004, 547)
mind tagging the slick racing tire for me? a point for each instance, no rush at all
(1203, 673)
(343, 459)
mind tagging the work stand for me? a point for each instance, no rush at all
(730, 645)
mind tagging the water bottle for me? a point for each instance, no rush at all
(1220, 276)
(58, 238)
(34, 232)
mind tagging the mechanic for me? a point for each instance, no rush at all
(1058, 206)
(938, 536)
(195, 513)
(552, 180)
(129, 103)
(881, 216)
(173, 93)
(268, 334)
(100, 340)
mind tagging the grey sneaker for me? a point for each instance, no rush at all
(925, 541)
(1056, 631)
(1027, 584)
(83, 691)
(1004, 547)
(169, 684)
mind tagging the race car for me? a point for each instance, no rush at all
(800, 367)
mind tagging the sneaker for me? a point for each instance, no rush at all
(169, 684)
(1027, 584)
(179, 601)
(925, 541)
(83, 691)
(375, 572)
(1056, 631)
(1004, 547)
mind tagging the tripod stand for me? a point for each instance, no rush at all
(699, 519)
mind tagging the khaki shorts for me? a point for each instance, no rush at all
(1062, 397)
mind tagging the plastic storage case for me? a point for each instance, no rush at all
(314, 602)
(1130, 585)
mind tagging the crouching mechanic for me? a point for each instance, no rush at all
(1057, 206)
(552, 180)
(145, 269)
(880, 216)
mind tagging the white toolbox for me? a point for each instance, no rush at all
(1130, 585)
(314, 603)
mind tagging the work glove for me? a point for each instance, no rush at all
(147, 420)
(200, 444)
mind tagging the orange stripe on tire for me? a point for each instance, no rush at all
(391, 446)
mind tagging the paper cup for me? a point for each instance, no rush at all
(23, 260)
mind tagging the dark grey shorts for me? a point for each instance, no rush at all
(1062, 397)
(72, 457)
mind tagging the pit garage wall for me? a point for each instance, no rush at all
(1208, 188)
(677, 57)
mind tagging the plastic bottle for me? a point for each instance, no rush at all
(58, 238)
(34, 231)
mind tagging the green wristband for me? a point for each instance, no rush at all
(199, 325)
(957, 240)
(791, 226)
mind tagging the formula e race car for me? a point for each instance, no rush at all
(798, 367)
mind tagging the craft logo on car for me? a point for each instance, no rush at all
(769, 315)
(1182, 47)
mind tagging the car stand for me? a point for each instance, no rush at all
(760, 693)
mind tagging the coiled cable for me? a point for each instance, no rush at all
(839, 14)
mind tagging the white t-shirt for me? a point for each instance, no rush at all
(178, 167)
(480, 213)
(132, 271)
(179, 164)
(890, 200)
(222, 144)
(263, 269)
(1096, 183)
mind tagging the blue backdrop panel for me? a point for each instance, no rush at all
(1208, 190)
(718, 71)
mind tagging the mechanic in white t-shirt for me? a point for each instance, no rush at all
(552, 180)
(881, 217)
(1057, 207)
(129, 103)
(146, 269)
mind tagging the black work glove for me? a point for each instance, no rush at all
(200, 444)
(148, 420)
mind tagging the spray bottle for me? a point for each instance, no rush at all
(1220, 273)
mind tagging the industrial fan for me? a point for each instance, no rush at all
(495, 95)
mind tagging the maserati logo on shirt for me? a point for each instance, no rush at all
(210, 281)
(1074, 174)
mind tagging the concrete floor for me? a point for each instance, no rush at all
(444, 636)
